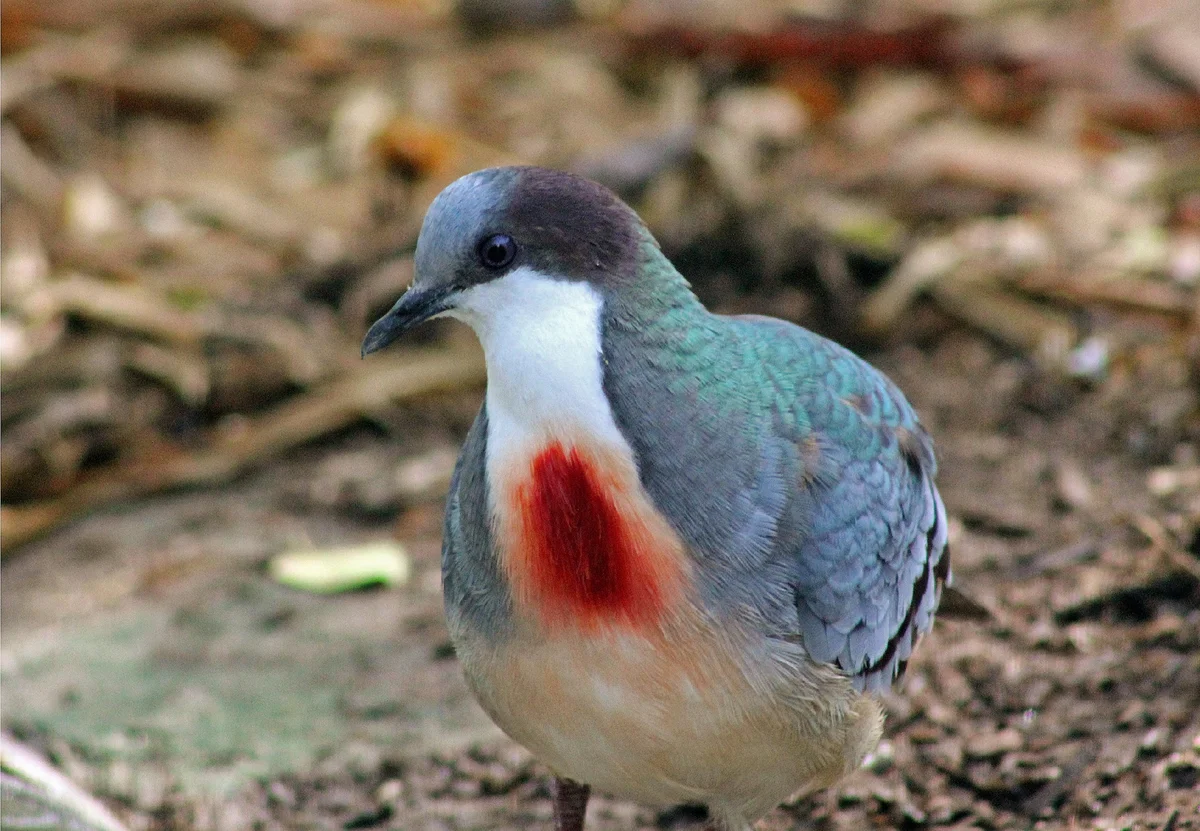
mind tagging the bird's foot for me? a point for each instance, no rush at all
(570, 804)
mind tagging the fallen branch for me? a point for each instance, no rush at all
(1007, 161)
(1046, 335)
(1156, 296)
(131, 307)
(90, 56)
(842, 46)
(127, 306)
(1162, 542)
(26, 174)
(929, 262)
(233, 449)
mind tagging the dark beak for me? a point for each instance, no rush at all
(414, 306)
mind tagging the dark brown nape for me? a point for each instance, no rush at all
(572, 227)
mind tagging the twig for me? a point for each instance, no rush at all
(52, 789)
(929, 262)
(130, 307)
(185, 372)
(1069, 555)
(391, 23)
(999, 160)
(25, 173)
(195, 77)
(1162, 542)
(845, 46)
(91, 56)
(230, 451)
(1150, 113)
(126, 306)
(1136, 293)
(1046, 335)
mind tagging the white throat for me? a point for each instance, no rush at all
(541, 342)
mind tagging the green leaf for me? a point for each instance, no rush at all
(332, 570)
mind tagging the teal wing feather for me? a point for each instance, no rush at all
(868, 546)
(796, 473)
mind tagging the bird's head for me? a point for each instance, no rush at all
(494, 230)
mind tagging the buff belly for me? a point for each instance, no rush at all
(612, 673)
(664, 722)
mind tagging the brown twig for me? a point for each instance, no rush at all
(91, 56)
(1155, 296)
(1001, 160)
(1162, 541)
(841, 46)
(128, 306)
(929, 262)
(230, 451)
(28, 175)
(133, 308)
(1034, 330)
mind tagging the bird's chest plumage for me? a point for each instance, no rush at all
(608, 649)
(612, 666)
(609, 657)
(580, 544)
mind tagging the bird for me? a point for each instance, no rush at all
(684, 553)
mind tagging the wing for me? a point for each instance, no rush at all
(871, 563)
(803, 480)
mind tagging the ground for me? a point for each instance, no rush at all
(231, 702)
(204, 206)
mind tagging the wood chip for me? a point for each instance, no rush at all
(1034, 330)
(1010, 162)
(201, 75)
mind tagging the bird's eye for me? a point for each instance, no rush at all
(497, 251)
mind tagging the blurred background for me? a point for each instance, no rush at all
(220, 531)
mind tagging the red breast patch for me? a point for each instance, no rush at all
(585, 547)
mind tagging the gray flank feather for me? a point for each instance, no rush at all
(475, 593)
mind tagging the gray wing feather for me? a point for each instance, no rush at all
(871, 565)
(804, 484)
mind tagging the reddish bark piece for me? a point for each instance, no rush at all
(829, 45)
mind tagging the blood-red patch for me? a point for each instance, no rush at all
(585, 554)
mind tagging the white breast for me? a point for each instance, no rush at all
(541, 341)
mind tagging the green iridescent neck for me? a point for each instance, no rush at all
(659, 296)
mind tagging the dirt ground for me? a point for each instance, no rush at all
(205, 204)
(234, 703)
